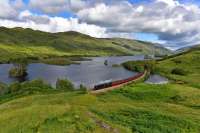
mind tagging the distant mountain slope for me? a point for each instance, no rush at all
(184, 49)
(19, 41)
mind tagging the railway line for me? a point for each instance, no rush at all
(104, 87)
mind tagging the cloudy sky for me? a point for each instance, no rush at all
(174, 23)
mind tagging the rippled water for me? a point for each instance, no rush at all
(87, 73)
(157, 79)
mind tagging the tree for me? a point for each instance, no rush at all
(64, 85)
(19, 67)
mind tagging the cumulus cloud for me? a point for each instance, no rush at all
(50, 6)
(56, 6)
(27, 16)
(53, 24)
(10, 9)
(172, 21)
(169, 2)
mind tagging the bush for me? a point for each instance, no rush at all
(140, 66)
(19, 67)
(17, 72)
(134, 66)
(83, 88)
(14, 88)
(177, 61)
(64, 85)
(39, 84)
(178, 71)
(3, 89)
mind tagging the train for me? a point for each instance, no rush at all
(110, 83)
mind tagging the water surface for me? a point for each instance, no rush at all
(157, 79)
(88, 73)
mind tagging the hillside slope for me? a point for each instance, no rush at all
(183, 67)
(135, 108)
(185, 49)
(26, 42)
(33, 107)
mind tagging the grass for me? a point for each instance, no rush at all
(18, 42)
(34, 107)
(152, 108)
(188, 64)
(136, 108)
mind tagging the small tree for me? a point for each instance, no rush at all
(3, 89)
(19, 67)
(14, 88)
(64, 85)
(83, 88)
(178, 71)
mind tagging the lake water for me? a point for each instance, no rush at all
(157, 79)
(88, 73)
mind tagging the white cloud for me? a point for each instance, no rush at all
(27, 16)
(8, 9)
(54, 24)
(50, 6)
(17, 4)
(173, 22)
(56, 6)
(169, 2)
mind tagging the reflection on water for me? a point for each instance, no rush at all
(87, 73)
(157, 79)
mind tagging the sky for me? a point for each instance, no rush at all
(173, 23)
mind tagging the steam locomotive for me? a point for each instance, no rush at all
(110, 83)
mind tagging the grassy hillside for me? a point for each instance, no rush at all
(185, 49)
(18, 42)
(135, 108)
(183, 68)
(34, 107)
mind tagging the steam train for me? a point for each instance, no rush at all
(110, 83)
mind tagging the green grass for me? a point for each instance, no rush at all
(18, 42)
(136, 108)
(189, 63)
(34, 107)
(152, 108)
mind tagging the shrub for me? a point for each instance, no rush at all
(134, 66)
(39, 84)
(178, 71)
(17, 72)
(64, 85)
(14, 88)
(19, 67)
(3, 89)
(177, 61)
(140, 66)
(83, 88)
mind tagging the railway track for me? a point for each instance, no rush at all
(117, 84)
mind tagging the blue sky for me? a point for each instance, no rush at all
(171, 22)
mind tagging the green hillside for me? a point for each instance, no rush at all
(186, 49)
(18, 42)
(183, 67)
(135, 108)
(33, 107)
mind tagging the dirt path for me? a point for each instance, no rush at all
(103, 125)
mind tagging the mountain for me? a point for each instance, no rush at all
(27, 42)
(185, 49)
